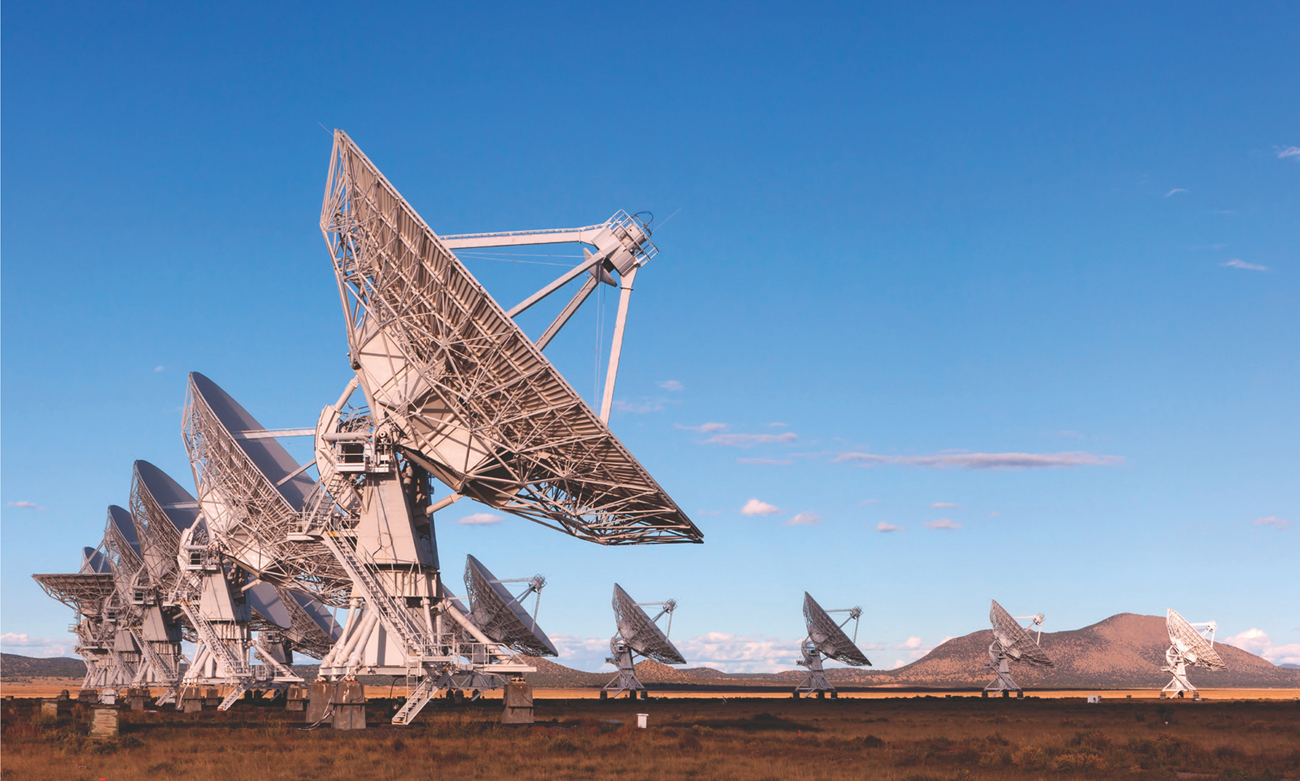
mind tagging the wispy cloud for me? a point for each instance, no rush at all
(25, 645)
(866, 502)
(942, 523)
(1175, 191)
(1292, 152)
(738, 653)
(804, 519)
(1273, 521)
(1257, 642)
(776, 424)
(703, 428)
(749, 440)
(945, 505)
(481, 519)
(773, 461)
(1239, 263)
(988, 461)
(671, 385)
(639, 406)
(887, 528)
(27, 506)
(755, 507)
(994, 514)
(158, 368)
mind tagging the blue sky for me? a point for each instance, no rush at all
(1020, 282)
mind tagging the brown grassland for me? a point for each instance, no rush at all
(909, 739)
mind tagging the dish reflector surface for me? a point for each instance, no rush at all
(640, 632)
(162, 509)
(1015, 641)
(477, 403)
(247, 496)
(499, 615)
(1191, 644)
(828, 636)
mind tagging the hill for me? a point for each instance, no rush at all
(16, 666)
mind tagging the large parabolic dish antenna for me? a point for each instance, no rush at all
(162, 509)
(251, 492)
(85, 591)
(641, 633)
(476, 402)
(498, 613)
(828, 636)
(1196, 649)
(1016, 643)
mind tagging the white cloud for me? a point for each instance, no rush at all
(774, 461)
(886, 527)
(912, 644)
(1175, 190)
(671, 385)
(945, 505)
(1257, 642)
(1274, 521)
(898, 663)
(988, 461)
(755, 507)
(1239, 263)
(749, 440)
(158, 368)
(866, 502)
(804, 519)
(35, 646)
(1290, 151)
(27, 506)
(639, 406)
(481, 519)
(581, 653)
(703, 428)
(740, 654)
(942, 523)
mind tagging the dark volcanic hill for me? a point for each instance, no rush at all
(16, 666)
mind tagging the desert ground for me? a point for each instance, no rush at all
(909, 738)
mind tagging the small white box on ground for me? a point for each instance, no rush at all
(1094, 698)
(641, 719)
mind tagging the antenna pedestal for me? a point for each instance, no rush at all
(625, 680)
(1000, 664)
(816, 682)
(1176, 666)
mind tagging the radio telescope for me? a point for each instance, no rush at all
(1189, 644)
(1013, 643)
(91, 593)
(827, 639)
(455, 391)
(501, 615)
(638, 633)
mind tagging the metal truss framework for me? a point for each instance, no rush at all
(474, 401)
(1188, 645)
(638, 633)
(826, 639)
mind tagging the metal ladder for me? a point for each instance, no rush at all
(415, 703)
(395, 619)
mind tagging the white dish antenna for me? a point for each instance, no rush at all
(162, 509)
(638, 634)
(501, 615)
(826, 638)
(450, 376)
(1012, 642)
(1190, 645)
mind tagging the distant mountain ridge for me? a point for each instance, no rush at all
(1121, 652)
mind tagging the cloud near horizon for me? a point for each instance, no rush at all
(755, 507)
(1257, 642)
(986, 461)
(481, 519)
(749, 440)
(41, 647)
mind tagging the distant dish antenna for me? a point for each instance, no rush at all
(638, 633)
(826, 638)
(501, 615)
(1013, 643)
(1189, 644)
(92, 594)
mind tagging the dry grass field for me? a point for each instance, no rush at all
(909, 739)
